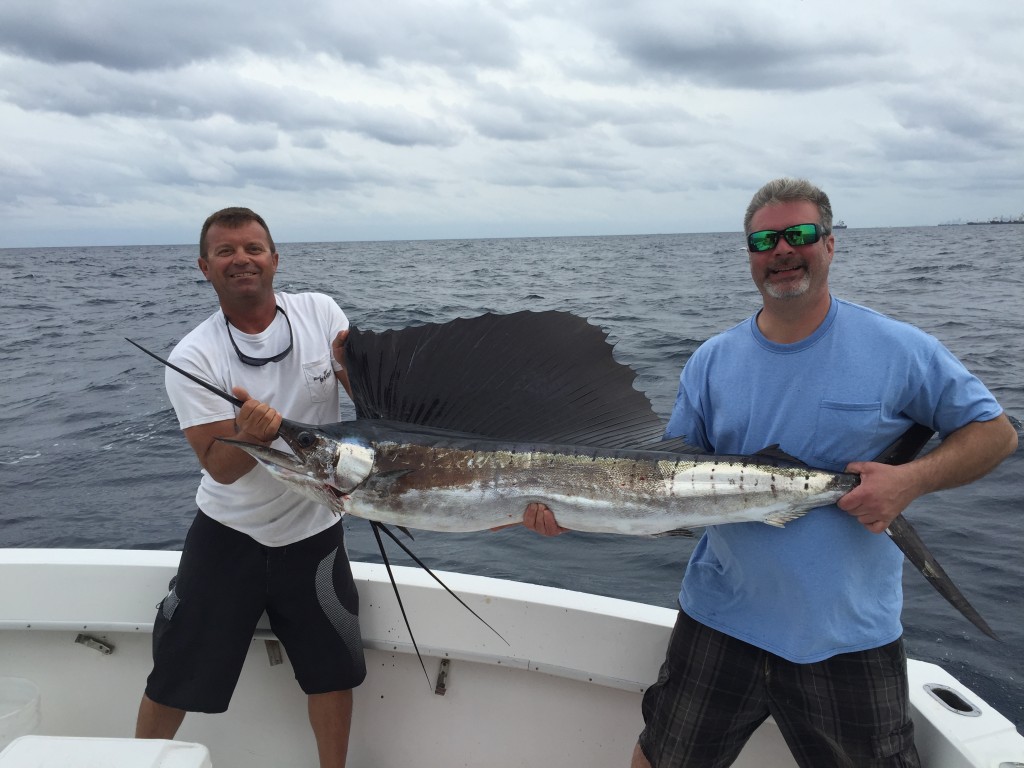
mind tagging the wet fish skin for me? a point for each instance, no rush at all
(425, 479)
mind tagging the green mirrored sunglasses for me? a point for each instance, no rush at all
(798, 234)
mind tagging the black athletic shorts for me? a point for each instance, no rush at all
(225, 582)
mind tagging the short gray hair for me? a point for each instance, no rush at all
(787, 190)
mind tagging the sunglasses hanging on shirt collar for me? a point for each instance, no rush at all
(258, 361)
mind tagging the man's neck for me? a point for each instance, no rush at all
(253, 316)
(787, 321)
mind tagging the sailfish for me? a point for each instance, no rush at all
(460, 425)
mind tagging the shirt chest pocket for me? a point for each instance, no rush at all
(843, 430)
(320, 379)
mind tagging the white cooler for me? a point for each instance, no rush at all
(82, 752)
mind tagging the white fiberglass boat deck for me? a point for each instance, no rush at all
(564, 690)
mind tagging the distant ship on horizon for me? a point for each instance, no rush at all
(1001, 220)
(839, 225)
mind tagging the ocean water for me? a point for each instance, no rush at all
(91, 455)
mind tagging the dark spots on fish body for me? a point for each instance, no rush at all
(675, 473)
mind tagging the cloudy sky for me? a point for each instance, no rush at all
(128, 121)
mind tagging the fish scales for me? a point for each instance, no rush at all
(467, 488)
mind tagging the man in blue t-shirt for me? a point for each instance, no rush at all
(803, 623)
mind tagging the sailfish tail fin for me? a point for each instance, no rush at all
(905, 536)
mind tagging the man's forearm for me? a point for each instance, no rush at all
(965, 455)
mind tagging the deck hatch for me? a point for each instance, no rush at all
(951, 699)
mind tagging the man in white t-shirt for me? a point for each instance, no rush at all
(255, 546)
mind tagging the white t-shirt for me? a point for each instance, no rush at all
(302, 387)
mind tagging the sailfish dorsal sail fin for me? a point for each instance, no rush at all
(527, 376)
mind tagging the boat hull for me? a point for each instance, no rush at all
(571, 675)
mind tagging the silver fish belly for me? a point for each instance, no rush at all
(483, 484)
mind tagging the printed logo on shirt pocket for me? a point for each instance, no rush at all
(843, 429)
(319, 380)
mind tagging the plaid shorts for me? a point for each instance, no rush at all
(225, 581)
(713, 691)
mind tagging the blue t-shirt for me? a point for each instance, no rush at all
(824, 584)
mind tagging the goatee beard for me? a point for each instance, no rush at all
(779, 292)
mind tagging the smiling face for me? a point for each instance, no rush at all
(240, 262)
(788, 273)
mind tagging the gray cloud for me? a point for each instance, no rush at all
(190, 95)
(463, 116)
(976, 127)
(132, 36)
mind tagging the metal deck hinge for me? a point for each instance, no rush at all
(441, 686)
(274, 652)
(97, 645)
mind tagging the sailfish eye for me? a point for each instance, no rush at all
(305, 439)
